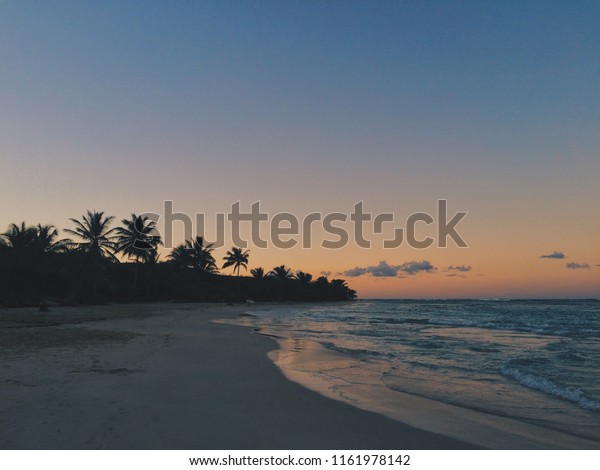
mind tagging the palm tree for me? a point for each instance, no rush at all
(258, 273)
(47, 240)
(322, 282)
(341, 290)
(303, 277)
(19, 239)
(281, 272)
(29, 259)
(339, 283)
(237, 258)
(202, 255)
(181, 256)
(193, 254)
(137, 238)
(97, 238)
(33, 241)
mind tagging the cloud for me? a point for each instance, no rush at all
(462, 268)
(554, 255)
(325, 273)
(578, 266)
(354, 272)
(384, 269)
(456, 275)
(415, 267)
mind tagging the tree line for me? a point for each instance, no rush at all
(101, 263)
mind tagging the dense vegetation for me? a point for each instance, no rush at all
(36, 266)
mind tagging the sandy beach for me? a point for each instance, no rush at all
(165, 376)
(340, 377)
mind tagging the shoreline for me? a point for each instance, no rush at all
(164, 376)
(341, 377)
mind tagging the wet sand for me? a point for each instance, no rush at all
(165, 376)
(342, 377)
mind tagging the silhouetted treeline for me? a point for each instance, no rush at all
(36, 266)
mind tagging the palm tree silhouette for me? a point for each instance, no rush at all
(97, 238)
(281, 272)
(28, 261)
(47, 240)
(181, 256)
(303, 277)
(193, 254)
(27, 241)
(138, 238)
(340, 289)
(35, 265)
(202, 255)
(258, 273)
(236, 258)
(18, 238)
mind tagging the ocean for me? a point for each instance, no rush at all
(535, 361)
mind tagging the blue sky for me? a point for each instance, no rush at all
(305, 106)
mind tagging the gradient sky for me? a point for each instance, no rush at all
(311, 107)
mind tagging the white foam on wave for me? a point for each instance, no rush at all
(536, 382)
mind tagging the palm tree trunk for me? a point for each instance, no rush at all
(135, 279)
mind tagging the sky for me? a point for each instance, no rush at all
(313, 106)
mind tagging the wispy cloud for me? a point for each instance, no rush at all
(554, 255)
(456, 275)
(325, 273)
(384, 269)
(462, 268)
(578, 266)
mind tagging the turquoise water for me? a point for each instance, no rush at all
(535, 361)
